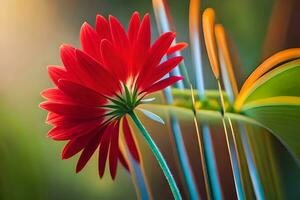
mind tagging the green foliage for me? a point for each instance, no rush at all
(282, 81)
(282, 121)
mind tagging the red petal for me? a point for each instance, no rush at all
(75, 111)
(134, 26)
(88, 151)
(59, 120)
(142, 45)
(112, 60)
(177, 47)
(95, 75)
(69, 131)
(74, 146)
(113, 151)
(55, 119)
(90, 41)
(56, 95)
(62, 120)
(144, 34)
(119, 36)
(161, 70)
(159, 48)
(157, 51)
(130, 140)
(163, 84)
(73, 94)
(68, 56)
(56, 73)
(102, 28)
(123, 160)
(81, 94)
(103, 150)
(52, 117)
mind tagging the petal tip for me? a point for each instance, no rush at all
(65, 47)
(111, 18)
(78, 169)
(43, 105)
(136, 13)
(180, 77)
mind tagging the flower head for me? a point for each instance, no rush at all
(97, 86)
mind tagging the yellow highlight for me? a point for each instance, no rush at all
(208, 20)
(272, 101)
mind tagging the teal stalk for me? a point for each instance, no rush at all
(211, 163)
(257, 186)
(140, 179)
(197, 61)
(181, 151)
(226, 82)
(212, 169)
(158, 156)
(234, 156)
(164, 26)
(236, 173)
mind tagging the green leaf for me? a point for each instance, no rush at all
(281, 116)
(262, 143)
(282, 81)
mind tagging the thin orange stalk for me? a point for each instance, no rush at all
(210, 41)
(201, 148)
(225, 57)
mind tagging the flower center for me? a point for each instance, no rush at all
(122, 103)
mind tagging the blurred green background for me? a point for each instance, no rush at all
(30, 35)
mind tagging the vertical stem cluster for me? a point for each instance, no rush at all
(213, 185)
(163, 19)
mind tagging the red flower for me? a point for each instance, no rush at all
(98, 85)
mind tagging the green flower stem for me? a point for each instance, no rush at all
(158, 155)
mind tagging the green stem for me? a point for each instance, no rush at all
(158, 155)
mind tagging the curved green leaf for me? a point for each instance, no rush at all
(282, 81)
(281, 116)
